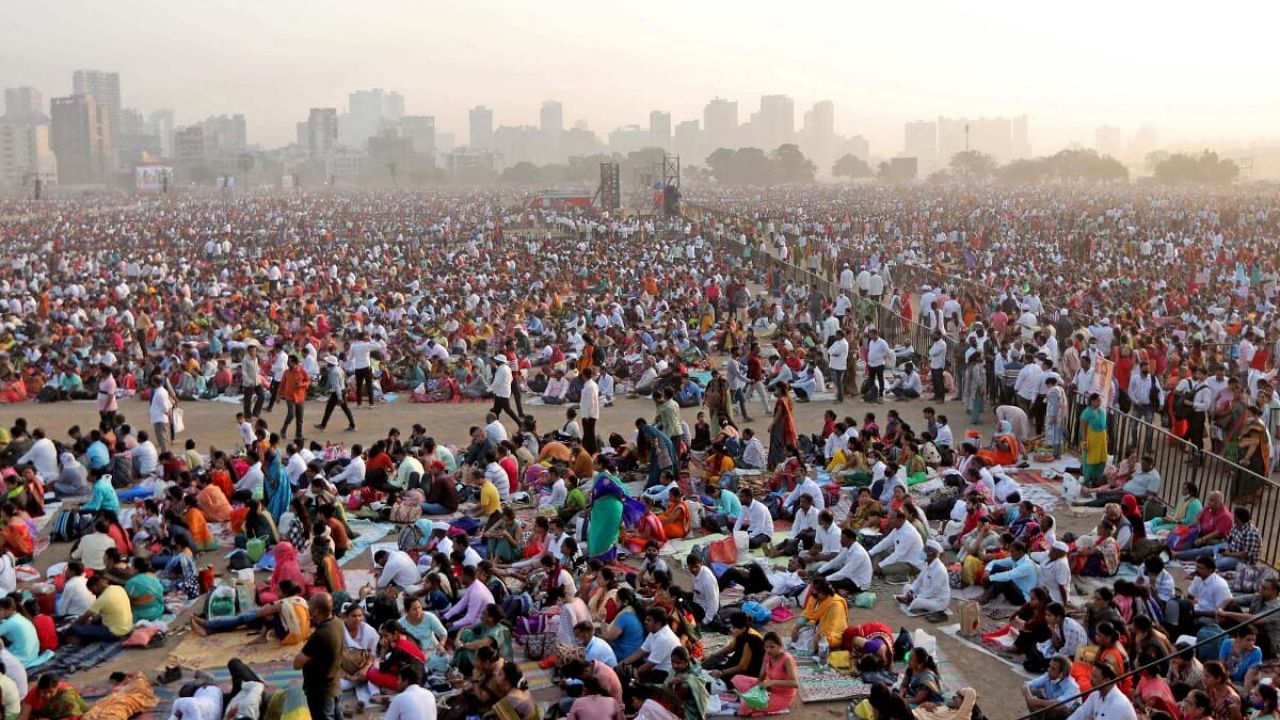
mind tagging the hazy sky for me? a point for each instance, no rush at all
(1200, 72)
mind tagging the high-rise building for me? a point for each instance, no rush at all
(135, 142)
(688, 142)
(420, 130)
(551, 118)
(24, 104)
(777, 121)
(367, 112)
(628, 138)
(322, 132)
(162, 125)
(818, 137)
(189, 144)
(25, 155)
(1144, 142)
(858, 147)
(481, 136)
(105, 89)
(518, 143)
(80, 134)
(302, 133)
(225, 134)
(719, 124)
(660, 129)
(1109, 140)
(920, 141)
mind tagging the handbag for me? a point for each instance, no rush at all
(723, 551)
(757, 698)
(178, 424)
(536, 647)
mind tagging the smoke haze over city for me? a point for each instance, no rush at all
(1198, 74)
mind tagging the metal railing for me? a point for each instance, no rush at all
(1180, 461)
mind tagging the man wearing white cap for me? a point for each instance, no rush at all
(1055, 573)
(930, 592)
(500, 388)
(336, 382)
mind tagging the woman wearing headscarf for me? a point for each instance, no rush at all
(276, 488)
(73, 480)
(1254, 453)
(287, 568)
(659, 448)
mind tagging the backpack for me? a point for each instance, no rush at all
(409, 538)
(1184, 405)
(65, 526)
(870, 391)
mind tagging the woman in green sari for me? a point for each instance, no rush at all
(611, 507)
(1094, 421)
(53, 700)
(489, 631)
(1186, 513)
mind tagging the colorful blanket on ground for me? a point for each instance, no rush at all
(70, 659)
(276, 675)
(214, 651)
(370, 533)
(823, 684)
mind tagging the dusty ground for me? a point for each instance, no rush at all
(212, 423)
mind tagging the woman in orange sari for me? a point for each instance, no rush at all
(675, 519)
(198, 527)
(649, 527)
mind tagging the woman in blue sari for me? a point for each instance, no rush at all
(611, 506)
(661, 451)
(276, 488)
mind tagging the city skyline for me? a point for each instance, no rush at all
(999, 64)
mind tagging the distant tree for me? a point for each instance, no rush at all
(973, 165)
(1154, 158)
(744, 166)
(1206, 168)
(851, 166)
(522, 173)
(1065, 166)
(790, 165)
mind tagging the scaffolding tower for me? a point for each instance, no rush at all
(608, 196)
(669, 194)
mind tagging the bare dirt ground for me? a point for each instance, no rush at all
(213, 424)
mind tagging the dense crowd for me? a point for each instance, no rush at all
(516, 541)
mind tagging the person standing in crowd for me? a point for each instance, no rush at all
(336, 387)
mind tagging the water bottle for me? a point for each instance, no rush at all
(824, 649)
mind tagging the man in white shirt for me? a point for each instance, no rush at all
(253, 477)
(144, 456)
(755, 520)
(930, 592)
(851, 569)
(1208, 592)
(160, 412)
(279, 363)
(806, 487)
(838, 361)
(753, 456)
(1107, 701)
(352, 475)
(908, 385)
(76, 598)
(652, 662)
(706, 591)
(395, 567)
(360, 353)
(938, 366)
(500, 388)
(1055, 573)
(804, 526)
(494, 429)
(413, 702)
(43, 454)
(589, 410)
(904, 546)
(878, 355)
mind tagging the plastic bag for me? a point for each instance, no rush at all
(723, 551)
(743, 542)
(757, 698)
(864, 600)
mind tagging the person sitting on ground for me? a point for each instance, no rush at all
(110, 618)
(288, 618)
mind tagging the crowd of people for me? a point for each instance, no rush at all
(516, 541)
